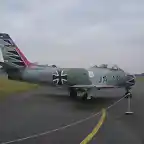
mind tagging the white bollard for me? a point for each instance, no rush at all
(129, 112)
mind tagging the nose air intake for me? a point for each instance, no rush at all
(131, 80)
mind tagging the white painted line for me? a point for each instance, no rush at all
(62, 128)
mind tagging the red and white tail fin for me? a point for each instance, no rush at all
(11, 53)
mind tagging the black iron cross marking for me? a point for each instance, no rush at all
(59, 77)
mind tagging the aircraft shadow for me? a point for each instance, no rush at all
(79, 104)
(95, 103)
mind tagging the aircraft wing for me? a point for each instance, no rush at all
(102, 86)
(106, 86)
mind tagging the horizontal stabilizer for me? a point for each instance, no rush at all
(7, 66)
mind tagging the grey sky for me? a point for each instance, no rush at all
(77, 33)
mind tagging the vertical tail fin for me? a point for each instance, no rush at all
(11, 53)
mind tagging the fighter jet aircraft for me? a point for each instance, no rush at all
(80, 82)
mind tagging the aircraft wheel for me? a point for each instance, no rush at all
(72, 93)
(84, 98)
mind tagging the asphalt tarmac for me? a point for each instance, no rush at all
(48, 115)
(120, 128)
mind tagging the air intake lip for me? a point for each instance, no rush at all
(130, 76)
(131, 81)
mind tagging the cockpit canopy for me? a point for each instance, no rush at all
(95, 66)
(108, 66)
(54, 66)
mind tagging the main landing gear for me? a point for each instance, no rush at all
(73, 93)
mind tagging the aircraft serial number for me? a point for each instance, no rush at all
(104, 79)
